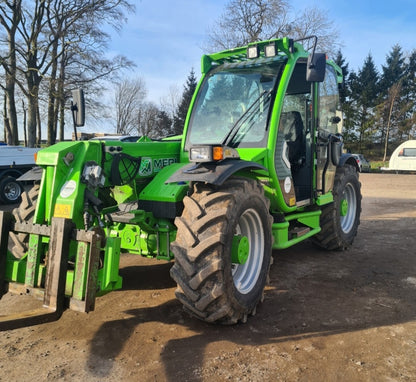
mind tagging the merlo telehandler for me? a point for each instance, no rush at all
(259, 167)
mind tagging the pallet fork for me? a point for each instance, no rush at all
(60, 233)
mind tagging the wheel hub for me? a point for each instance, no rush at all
(344, 207)
(240, 249)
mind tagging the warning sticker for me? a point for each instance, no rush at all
(62, 211)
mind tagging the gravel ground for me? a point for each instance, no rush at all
(327, 316)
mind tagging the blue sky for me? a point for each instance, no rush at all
(165, 38)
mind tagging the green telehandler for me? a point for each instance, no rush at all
(259, 167)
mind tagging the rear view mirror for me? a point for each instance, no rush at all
(336, 152)
(315, 71)
(78, 107)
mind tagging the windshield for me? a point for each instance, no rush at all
(233, 106)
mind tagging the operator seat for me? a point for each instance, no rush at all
(292, 126)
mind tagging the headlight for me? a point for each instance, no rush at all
(200, 154)
(211, 153)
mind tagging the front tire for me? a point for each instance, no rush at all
(219, 224)
(341, 218)
(18, 242)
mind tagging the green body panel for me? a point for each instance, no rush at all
(15, 270)
(108, 277)
(61, 191)
(146, 235)
(158, 190)
(325, 199)
(285, 238)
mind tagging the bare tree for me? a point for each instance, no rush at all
(129, 98)
(10, 17)
(61, 43)
(393, 95)
(147, 120)
(246, 21)
(314, 22)
(169, 104)
(81, 59)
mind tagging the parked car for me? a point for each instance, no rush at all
(363, 164)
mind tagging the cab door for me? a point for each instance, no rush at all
(329, 127)
(293, 155)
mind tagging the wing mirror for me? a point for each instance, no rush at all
(78, 107)
(315, 71)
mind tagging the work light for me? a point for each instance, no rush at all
(270, 50)
(253, 51)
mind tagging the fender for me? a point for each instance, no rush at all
(212, 172)
(348, 159)
(13, 172)
(34, 174)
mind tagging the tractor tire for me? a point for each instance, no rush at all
(10, 190)
(210, 285)
(18, 243)
(341, 218)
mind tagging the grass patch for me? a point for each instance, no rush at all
(375, 165)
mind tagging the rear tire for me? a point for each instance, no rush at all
(340, 219)
(18, 243)
(210, 286)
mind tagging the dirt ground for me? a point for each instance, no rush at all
(327, 316)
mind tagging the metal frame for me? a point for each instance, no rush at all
(60, 232)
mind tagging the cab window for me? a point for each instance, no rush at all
(330, 112)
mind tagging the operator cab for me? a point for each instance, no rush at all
(271, 113)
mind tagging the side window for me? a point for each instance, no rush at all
(295, 117)
(329, 103)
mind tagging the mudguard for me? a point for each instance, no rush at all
(34, 174)
(348, 159)
(212, 172)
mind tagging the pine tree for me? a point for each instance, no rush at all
(344, 88)
(345, 99)
(164, 123)
(409, 92)
(391, 109)
(393, 71)
(181, 112)
(364, 93)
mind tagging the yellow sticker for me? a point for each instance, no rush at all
(62, 211)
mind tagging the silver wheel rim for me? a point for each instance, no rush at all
(12, 191)
(347, 221)
(245, 275)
